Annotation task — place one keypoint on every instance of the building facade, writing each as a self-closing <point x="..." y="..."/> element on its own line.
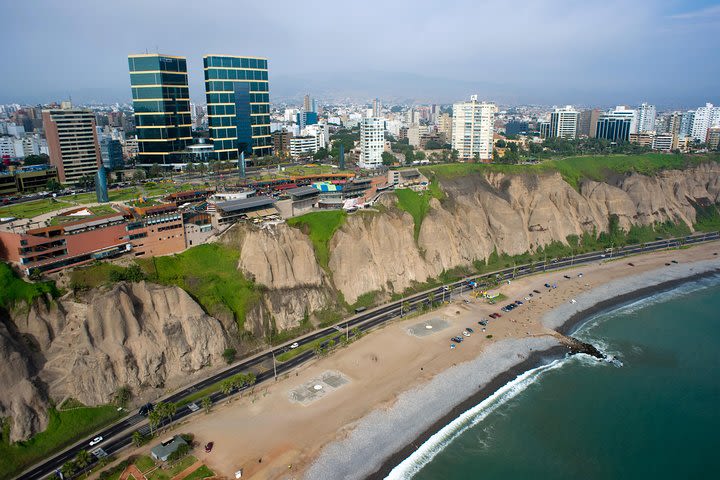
<point x="705" y="118"/>
<point x="281" y="142"/>
<point x="646" y="118"/>
<point x="564" y="122"/>
<point x="111" y="152"/>
<point x="587" y="122"/>
<point x="238" y="100"/>
<point x="372" y="142"/>
<point x="161" y="100"/>
<point x="472" y="129"/>
<point x="305" y="146"/>
<point x="72" y="142"/>
<point x="616" y="128"/>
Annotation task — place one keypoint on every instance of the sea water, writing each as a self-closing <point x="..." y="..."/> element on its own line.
<point x="652" y="412"/>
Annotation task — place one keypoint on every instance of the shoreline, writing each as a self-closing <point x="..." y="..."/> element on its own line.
<point x="536" y="359"/>
<point x="568" y="327"/>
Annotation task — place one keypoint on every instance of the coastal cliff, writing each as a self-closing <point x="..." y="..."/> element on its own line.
<point x="151" y="337"/>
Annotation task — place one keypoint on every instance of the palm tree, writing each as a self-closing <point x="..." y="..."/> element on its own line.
<point x="405" y="307"/>
<point x="431" y="298"/>
<point x="153" y="420"/>
<point x="226" y="386"/>
<point x="137" y="438"/>
<point x="83" y="459"/>
<point x="206" y="404"/>
<point x="68" y="469"/>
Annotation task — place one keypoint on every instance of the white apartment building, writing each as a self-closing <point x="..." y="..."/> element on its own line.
<point x="414" y="133"/>
<point x="646" y="118"/>
<point x="304" y="146"/>
<point x="319" y="130"/>
<point x="705" y="118"/>
<point x="472" y="129"/>
<point x="563" y="122"/>
<point x="372" y="142"/>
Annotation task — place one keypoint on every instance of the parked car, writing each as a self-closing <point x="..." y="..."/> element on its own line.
<point x="470" y="330"/>
<point x="536" y="291"/>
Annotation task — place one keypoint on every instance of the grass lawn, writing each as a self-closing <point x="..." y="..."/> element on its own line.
<point x="93" y="275"/>
<point x="209" y="273"/>
<point x="64" y="428"/>
<point x="202" y="472"/>
<point x="158" y="474"/>
<point x="14" y="289"/>
<point x="284" y="357"/>
<point x="181" y="465"/>
<point x="320" y="226"/>
<point x="144" y="463"/>
<point x="417" y="204"/>
<point x="574" y="169"/>
<point x="31" y="209"/>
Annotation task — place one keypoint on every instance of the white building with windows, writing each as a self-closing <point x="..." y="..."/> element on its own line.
<point x="320" y="130"/>
<point x="705" y="118"/>
<point x="646" y="118"/>
<point x="472" y="129"/>
<point x="305" y="146"/>
<point x="564" y="122"/>
<point x="372" y="142"/>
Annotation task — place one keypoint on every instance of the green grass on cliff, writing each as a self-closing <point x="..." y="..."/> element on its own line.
<point x="574" y="169"/>
<point x="64" y="428"/>
<point x="320" y="227"/>
<point x="417" y="204"/>
<point x="210" y="275"/>
<point x="14" y="289"/>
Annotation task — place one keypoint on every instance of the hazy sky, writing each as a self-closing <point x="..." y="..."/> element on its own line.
<point x="523" y="51"/>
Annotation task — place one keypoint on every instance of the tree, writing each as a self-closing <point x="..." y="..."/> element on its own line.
<point x="226" y="386"/>
<point x="41" y="159"/>
<point x="83" y="459"/>
<point x="321" y="154"/>
<point x="155" y="171"/>
<point x="433" y="145"/>
<point x="431" y="298"/>
<point x="138" y="175"/>
<point x="85" y="182"/>
<point x="405" y="307"/>
<point x="154" y="419"/>
<point x="454" y="154"/>
<point x="122" y="396"/>
<point x="229" y="355"/>
<point x="53" y="185"/>
<point x="501" y="143"/>
<point x="388" y="158"/>
<point x="206" y="403"/>
<point x="68" y="468"/>
<point x="420" y="156"/>
<point x="137" y="438"/>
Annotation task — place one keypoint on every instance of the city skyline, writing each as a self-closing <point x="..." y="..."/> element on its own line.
<point x="507" y="64"/>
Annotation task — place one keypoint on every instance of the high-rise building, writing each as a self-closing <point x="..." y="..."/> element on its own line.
<point x="686" y="123"/>
<point x="306" y="118"/>
<point x="307" y="103"/>
<point x="72" y="141"/>
<point x="472" y="129"/>
<point x="564" y="122"/>
<point x="705" y="118"/>
<point x="646" y="118"/>
<point x="372" y="142"/>
<point x="615" y="126"/>
<point x="281" y="142"/>
<point x="377" y="108"/>
<point x="161" y="100"/>
<point x="111" y="152"/>
<point x="238" y="101"/>
<point x="587" y="122"/>
<point x="445" y="126"/>
<point x="713" y="138"/>
<point x="544" y="128"/>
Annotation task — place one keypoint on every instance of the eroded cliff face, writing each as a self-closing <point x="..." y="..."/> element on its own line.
<point x="511" y="214"/>
<point x="282" y="260"/>
<point x="140" y="335"/>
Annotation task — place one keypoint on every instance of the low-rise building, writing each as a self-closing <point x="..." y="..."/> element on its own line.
<point x="305" y="146"/>
<point x="26" y="179"/>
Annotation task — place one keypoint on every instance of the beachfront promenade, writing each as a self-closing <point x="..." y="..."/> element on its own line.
<point x="119" y="436"/>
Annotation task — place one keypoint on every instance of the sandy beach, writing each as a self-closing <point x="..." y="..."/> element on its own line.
<point x="345" y="415"/>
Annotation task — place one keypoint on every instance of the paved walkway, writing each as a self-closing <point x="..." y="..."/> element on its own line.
<point x="187" y="471"/>
<point x="134" y="471"/>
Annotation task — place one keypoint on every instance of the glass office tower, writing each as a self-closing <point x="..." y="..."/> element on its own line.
<point x="238" y="101"/>
<point x="161" y="100"/>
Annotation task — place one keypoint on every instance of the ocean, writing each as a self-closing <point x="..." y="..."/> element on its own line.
<point x="652" y="411"/>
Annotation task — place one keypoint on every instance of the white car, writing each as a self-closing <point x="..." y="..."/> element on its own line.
<point x="95" y="441"/>
<point x="295" y="345"/>
<point x="466" y="333"/>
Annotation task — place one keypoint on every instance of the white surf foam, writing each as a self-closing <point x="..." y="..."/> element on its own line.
<point x="439" y="441"/>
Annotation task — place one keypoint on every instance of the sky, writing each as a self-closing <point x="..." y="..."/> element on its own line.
<point x="547" y="52"/>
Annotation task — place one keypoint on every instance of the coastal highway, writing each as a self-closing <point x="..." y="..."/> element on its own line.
<point x="119" y="435"/>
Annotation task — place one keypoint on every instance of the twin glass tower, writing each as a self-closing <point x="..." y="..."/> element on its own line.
<point x="238" y="101"/>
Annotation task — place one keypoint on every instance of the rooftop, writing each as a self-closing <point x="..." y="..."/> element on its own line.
<point x="245" y="203"/>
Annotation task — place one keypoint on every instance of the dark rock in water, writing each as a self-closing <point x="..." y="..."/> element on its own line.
<point x="576" y="346"/>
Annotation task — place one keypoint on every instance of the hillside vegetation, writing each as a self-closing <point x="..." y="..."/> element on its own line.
<point x="13" y="289"/>
<point x="574" y="169"/>
<point x="320" y="227"/>
<point x="210" y="275"/>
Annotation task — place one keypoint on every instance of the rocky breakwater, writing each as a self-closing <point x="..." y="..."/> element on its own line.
<point x="144" y="336"/>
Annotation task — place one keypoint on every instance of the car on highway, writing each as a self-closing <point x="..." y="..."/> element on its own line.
<point x="209" y="447"/>
<point x="146" y="409"/>
<point x="295" y="345"/>
<point x="96" y="440"/>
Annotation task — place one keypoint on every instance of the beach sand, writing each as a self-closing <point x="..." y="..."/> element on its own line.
<point x="401" y="383"/>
